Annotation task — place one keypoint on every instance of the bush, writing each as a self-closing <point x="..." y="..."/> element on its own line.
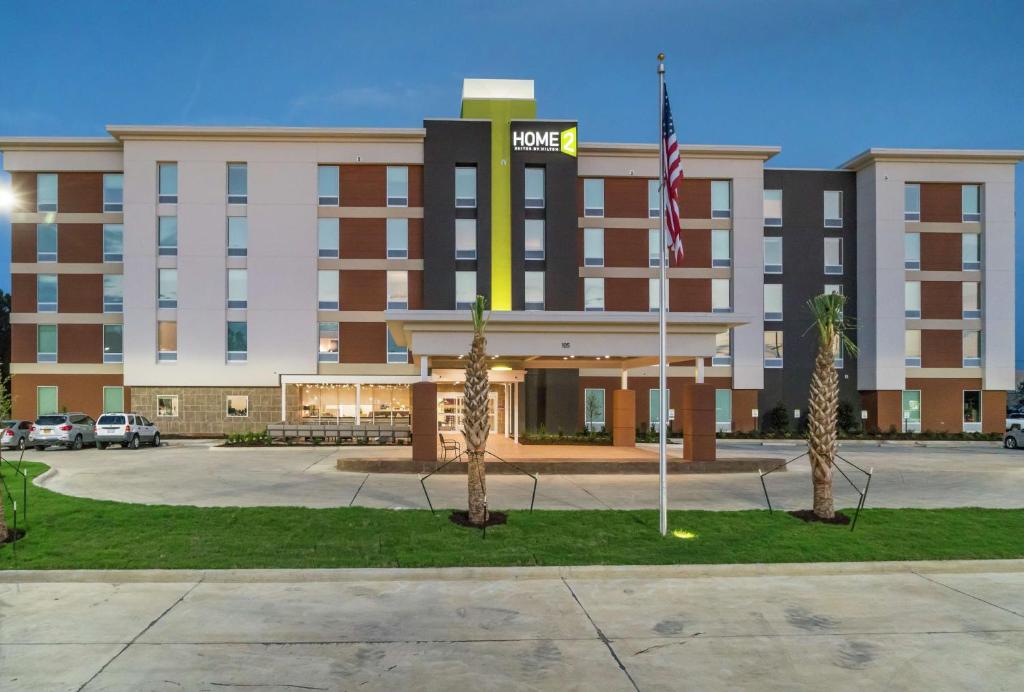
<point x="249" y="439"/>
<point x="776" y="421"/>
<point x="846" y="420"/>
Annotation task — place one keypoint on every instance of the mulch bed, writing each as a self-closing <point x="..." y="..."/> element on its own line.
<point x="809" y="516"/>
<point x="493" y="519"/>
<point x="16" y="535"/>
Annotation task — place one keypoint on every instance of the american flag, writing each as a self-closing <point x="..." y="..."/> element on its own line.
<point x="672" y="174"/>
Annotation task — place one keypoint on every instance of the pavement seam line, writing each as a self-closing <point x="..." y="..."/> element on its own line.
<point x="136" y="637"/>
<point x="584" y="489"/>
<point x="352" y="501"/>
<point x="970" y="595"/>
<point x="600" y="635"/>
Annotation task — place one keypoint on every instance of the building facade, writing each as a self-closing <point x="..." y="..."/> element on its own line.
<point x="220" y="279"/>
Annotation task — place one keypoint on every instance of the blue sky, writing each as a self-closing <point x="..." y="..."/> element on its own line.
<point x="822" y="79"/>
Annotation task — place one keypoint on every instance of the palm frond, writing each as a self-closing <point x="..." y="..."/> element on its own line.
<point x="829" y="321"/>
<point x="477" y="310"/>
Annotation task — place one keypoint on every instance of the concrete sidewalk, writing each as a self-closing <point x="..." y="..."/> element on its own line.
<point x="938" y="626"/>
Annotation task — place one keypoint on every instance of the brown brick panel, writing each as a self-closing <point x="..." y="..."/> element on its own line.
<point x="415" y="239"/>
<point x="363" y="289"/>
<point x="941" y="251"/>
<point x="696" y="248"/>
<point x="941" y="348"/>
<point x="24" y="187"/>
<point x="941" y="202"/>
<point x="364" y="238"/>
<point x="626" y="294"/>
<point x="623" y="247"/>
<point x="942" y="407"/>
<point x="993" y="411"/>
<point x="363" y="185"/>
<point x="80" y="242"/>
<point x="80" y="343"/>
<point x="743" y="402"/>
<point x="625" y="198"/>
<point x="695" y="198"/>
<point x="74" y="392"/>
<point x="80" y="193"/>
<point x="23" y="293"/>
<point x="23" y="343"/>
<point x="23" y="242"/>
<point x="941" y="300"/>
<point x="80" y="292"/>
<point x="363" y="342"/>
<point x="689" y="295"/>
<point x="415" y="186"/>
<point x="415" y="290"/>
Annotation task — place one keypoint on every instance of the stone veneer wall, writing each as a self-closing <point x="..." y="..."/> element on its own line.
<point x="203" y="410"/>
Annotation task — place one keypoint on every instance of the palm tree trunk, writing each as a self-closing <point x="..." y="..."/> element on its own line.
<point x="821" y="429"/>
<point x="476" y="428"/>
<point x="477" y="488"/>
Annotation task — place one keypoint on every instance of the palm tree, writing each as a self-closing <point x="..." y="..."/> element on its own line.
<point x="822" y="439"/>
<point x="475" y="424"/>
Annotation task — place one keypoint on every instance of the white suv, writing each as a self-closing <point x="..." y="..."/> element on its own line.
<point x="126" y="429"/>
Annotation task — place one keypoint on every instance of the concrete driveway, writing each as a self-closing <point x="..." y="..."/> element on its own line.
<point x="196" y="473"/>
<point x="909" y="626"/>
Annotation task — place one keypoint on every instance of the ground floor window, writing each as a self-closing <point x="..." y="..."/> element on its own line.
<point x="654" y="402"/>
<point x="380" y="403"/>
<point x="237" y="406"/>
<point x="167" y="406"/>
<point x="723" y="410"/>
<point x="450" y="407"/>
<point x="46" y="400"/>
<point x="972" y="410"/>
<point x="912" y="410"/>
<point x="593" y="409"/>
<point x="113" y="399"/>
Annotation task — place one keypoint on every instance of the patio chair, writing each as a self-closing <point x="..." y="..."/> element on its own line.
<point x="449" y="446"/>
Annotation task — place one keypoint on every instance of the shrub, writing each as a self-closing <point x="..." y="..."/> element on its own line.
<point x="777" y="419"/>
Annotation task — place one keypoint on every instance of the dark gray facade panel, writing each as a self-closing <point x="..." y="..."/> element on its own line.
<point x="551" y="401"/>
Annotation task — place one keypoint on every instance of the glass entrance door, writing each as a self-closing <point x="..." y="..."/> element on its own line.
<point x="449" y="411"/>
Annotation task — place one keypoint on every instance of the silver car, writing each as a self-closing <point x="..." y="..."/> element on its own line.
<point x="71" y="430"/>
<point x="15" y="434"/>
<point x="1014" y="439"/>
<point x="126" y="429"/>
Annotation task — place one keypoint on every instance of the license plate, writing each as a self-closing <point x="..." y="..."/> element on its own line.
<point x="110" y="430"/>
<point x="47" y="431"/>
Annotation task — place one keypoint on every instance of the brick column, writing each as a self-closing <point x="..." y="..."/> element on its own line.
<point x="424" y="421"/>
<point x="698" y="422"/>
<point x="885" y="410"/>
<point x="624" y="418"/>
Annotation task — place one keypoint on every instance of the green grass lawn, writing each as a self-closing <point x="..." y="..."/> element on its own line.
<point x="72" y="533"/>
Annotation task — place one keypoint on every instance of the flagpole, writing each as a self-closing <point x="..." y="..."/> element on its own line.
<point x="662" y="260"/>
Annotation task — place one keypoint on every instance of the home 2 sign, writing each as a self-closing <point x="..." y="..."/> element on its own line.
<point x="545" y="140"/>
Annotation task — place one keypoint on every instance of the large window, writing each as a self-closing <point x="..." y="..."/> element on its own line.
<point x="912" y="250"/>
<point x="328" y="186"/>
<point x="113" y="399"/>
<point x="593" y="409"/>
<point x="721" y="295"/>
<point x="534" y="290"/>
<point x="833" y="209"/>
<point x="46" y="242"/>
<point x="167" y="183"/>
<point x="773" y="349"/>
<point x="593" y="247"/>
<point x="46" y="192"/>
<point x="398" y="290"/>
<point x="721" y="199"/>
<point x="327" y="289"/>
<point x="653" y="247"/>
<point x="912" y="348"/>
<point x="237" y="342"/>
<point x="773" y="302"/>
<point x="113" y="192"/>
<point x="167" y="288"/>
<point x="912" y="410"/>
<point x="167" y="235"/>
<point x="912" y="202"/>
<point x="773" y="255"/>
<point x="238" y="289"/>
<point x="398" y="186"/>
<point x="654" y="294"/>
<point x="912" y="299"/>
<point x="833" y="255"/>
<point x="465" y="289"/>
<point x="972" y="348"/>
<point x="465" y="239"/>
<point x="773" y="207"/>
<point x="238" y="236"/>
<point x="113" y="242"/>
<point x="653" y="198"/>
<point x="46" y="343"/>
<point x="167" y="341"/>
<point x="113" y="343"/>
<point x="593" y="197"/>
<point x="721" y="250"/>
<point x="970" y="199"/>
<point x="113" y="293"/>
<point x="972" y="410"/>
<point x="971" y="300"/>
<point x="398" y="238"/>
<point x="330" y="341"/>
<point x="238" y="183"/>
<point x="327" y="238"/>
<point x="593" y="294"/>
<point x="534" y="187"/>
<point x="723" y="349"/>
<point x="46" y="400"/>
<point x="46" y="293"/>
<point x="396" y="353"/>
<point x="970" y="252"/>
<point x="534" y="239"/>
<point x="465" y="187"/>
<point x="723" y="410"/>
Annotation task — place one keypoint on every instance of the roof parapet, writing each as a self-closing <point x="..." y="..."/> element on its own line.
<point x="869" y="156"/>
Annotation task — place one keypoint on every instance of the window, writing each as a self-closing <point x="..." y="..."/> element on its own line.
<point x="972" y="348"/>
<point x="113" y="293"/>
<point x="167" y="235"/>
<point x="723" y="349"/>
<point x="655" y="407"/>
<point x="833" y="209"/>
<point x="972" y="410"/>
<point x="329" y="335"/>
<point x="912" y="299"/>
<point x="238" y="183"/>
<point x="912" y="250"/>
<point x="46" y="400"/>
<point x="971" y="252"/>
<point x="593" y="409"/>
<point x="398" y="238"/>
<point x="465" y="187"/>
<point x="327" y="186"/>
<point x="837" y="355"/>
<point x="328" y="238"/>
<point x="593" y="247"/>
<point x="113" y="399"/>
<point x="534" y="187"/>
<point x="534" y="290"/>
<point x="912" y="410"/>
<point x="167" y="341"/>
<point x="971" y="300"/>
<point x="167" y="183"/>
<point x="912" y="202"/>
<point x="46" y="192"/>
<point x="721" y="199"/>
<point x="465" y="239"/>
<point x="654" y="295"/>
<point x="773" y="301"/>
<point x="167" y="406"/>
<point x="912" y="348"/>
<point x="238" y="236"/>
<point x="398" y="186"/>
<point x="721" y="250"/>
<point x="113" y="343"/>
<point x="653" y="248"/>
<point x="723" y="410"/>
<point x="721" y="295"/>
<point x="238" y="342"/>
<point x="465" y="290"/>
<point x="113" y="192"/>
<point x="534" y="238"/>
<point x="396" y="353"/>
<point x="773" y="349"/>
<point x="970" y="202"/>
<point x="46" y="242"/>
<point x="833" y="255"/>
<point x="593" y="294"/>
<point x="773" y="255"/>
<point x="46" y="293"/>
<point x="327" y="289"/>
<point x="593" y="197"/>
<point x="46" y="343"/>
<point x="168" y="288"/>
<point x="113" y="242"/>
<point x="238" y="289"/>
<point x="398" y="290"/>
<point x="653" y="198"/>
<point x="237" y="406"/>
<point x="773" y="207"/>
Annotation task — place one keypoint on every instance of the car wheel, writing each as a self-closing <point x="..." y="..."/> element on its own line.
<point x="77" y="444"/>
<point x="1010" y="442"/>
<point x="156" y="440"/>
<point x="21" y="444"/>
<point x="134" y="442"/>
<point x="101" y="445"/>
